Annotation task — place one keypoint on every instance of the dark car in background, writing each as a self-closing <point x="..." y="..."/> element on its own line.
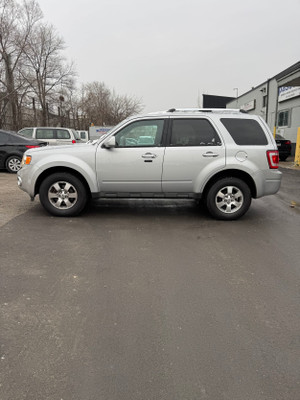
<point x="284" y="147"/>
<point x="12" y="148"/>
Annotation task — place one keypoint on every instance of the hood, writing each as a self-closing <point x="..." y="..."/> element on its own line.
<point x="69" y="148"/>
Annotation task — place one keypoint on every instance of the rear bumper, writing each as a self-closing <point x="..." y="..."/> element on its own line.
<point x="272" y="186"/>
<point x="268" y="183"/>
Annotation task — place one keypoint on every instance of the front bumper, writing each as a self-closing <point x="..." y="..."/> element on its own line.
<point x="26" y="180"/>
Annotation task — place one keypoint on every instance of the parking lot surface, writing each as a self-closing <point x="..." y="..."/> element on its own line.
<point x="150" y="300"/>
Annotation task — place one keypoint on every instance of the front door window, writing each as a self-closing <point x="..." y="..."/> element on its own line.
<point x="141" y="134"/>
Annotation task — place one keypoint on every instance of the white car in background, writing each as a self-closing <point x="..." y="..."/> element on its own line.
<point x="52" y="135"/>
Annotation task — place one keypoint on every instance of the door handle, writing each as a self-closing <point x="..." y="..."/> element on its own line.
<point x="210" y="154"/>
<point x="149" y="155"/>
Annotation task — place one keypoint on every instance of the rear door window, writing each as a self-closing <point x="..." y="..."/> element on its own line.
<point x="245" y="132"/>
<point x="193" y="132"/>
<point x="44" y="134"/>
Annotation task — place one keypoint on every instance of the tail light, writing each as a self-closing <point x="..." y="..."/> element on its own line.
<point x="273" y="158"/>
<point x="288" y="142"/>
<point x="31" y="147"/>
<point x="73" y="141"/>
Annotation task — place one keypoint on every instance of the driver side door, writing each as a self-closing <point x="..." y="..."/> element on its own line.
<point x="134" y="165"/>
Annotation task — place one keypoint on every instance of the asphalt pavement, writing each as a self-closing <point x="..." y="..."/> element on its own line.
<point x="150" y="300"/>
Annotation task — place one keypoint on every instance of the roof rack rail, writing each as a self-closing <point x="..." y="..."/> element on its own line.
<point x="188" y="110"/>
<point x="205" y="110"/>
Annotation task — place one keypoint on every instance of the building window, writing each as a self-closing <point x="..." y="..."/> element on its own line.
<point x="265" y="100"/>
<point x="283" y="118"/>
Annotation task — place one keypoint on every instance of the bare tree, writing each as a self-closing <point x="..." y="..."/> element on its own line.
<point x="122" y="107"/>
<point x="35" y="78"/>
<point x="16" y="24"/>
<point x="95" y="102"/>
<point x="103" y="107"/>
<point x="47" y="73"/>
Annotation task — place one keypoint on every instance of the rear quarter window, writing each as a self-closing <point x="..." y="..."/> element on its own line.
<point x="245" y="131"/>
<point x="26" y="132"/>
<point x="76" y="134"/>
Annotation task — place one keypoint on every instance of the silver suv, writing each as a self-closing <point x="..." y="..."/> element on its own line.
<point x="52" y="135"/>
<point x="224" y="157"/>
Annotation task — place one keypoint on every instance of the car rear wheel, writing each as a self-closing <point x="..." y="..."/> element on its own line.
<point x="63" y="195"/>
<point x="228" y="199"/>
<point x="13" y="164"/>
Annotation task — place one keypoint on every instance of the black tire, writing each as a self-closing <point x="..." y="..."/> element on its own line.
<point x="228" y="199"/>
<point x="63" y="195"/>
<point x="13" y="164"/>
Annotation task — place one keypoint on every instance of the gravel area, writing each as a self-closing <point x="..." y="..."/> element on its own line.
<point x="13" y="201"/>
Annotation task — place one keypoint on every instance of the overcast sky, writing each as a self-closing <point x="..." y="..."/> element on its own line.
<point x="169" y="52"/>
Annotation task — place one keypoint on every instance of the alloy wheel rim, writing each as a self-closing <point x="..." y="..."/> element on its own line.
<point x="229" y="199"/>
<point x="62" y="195"/>
<point x="14" y="164"/>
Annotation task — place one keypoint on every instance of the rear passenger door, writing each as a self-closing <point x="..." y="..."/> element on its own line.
<point x="194" y="152"/>
<point x="45" y="134"/>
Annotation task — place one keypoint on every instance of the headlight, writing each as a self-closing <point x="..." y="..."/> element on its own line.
<point x="26" y="160"/>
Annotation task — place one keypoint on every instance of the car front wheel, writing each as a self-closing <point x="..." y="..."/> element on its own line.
<point x="63" y="195"/>
<point x="228" y="199"/>
<point x="13" y="164"/>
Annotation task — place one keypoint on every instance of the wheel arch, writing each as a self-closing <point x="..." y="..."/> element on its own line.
<point x="234" y="173"/>
<point x="55" y="170"/>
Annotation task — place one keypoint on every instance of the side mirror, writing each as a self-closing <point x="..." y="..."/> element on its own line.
<point x="111" y="142"/>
